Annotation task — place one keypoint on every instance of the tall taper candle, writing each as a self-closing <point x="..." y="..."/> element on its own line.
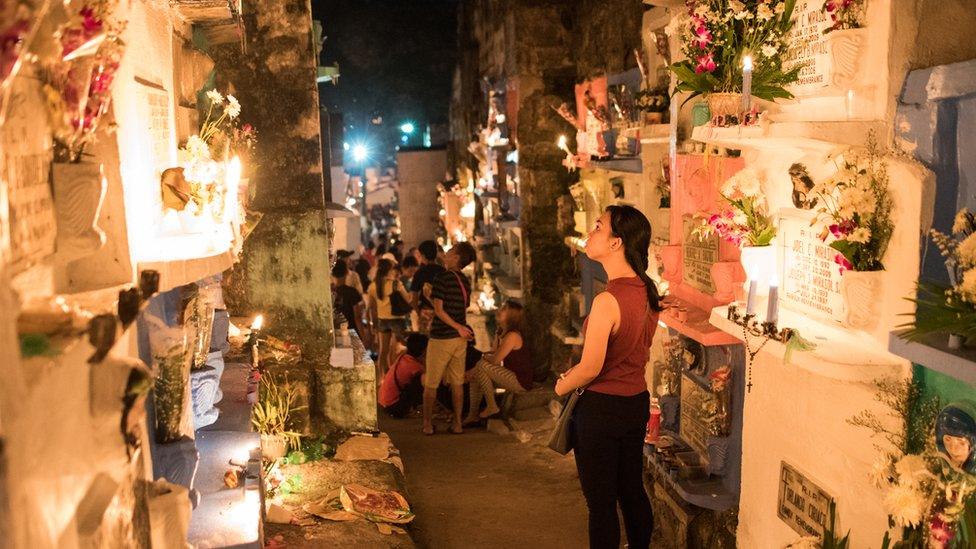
<point x="772" y="308"/>
<point x="751" y="300"/>
<point x="746" y="83"/>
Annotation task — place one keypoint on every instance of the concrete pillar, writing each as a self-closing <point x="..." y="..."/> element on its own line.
<point x="284" y="272"/>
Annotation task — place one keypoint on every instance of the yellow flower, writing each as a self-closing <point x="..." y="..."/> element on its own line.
<point x="233" y="108"/>
<point x="961" y="222"/>
<point x="861" y="235"/>
<point x="906" y="505"/>
<point x="967" y="287"/>
<point x="967" y="251"/>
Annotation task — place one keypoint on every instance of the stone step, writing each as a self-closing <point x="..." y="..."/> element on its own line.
<point x="539" y="412"/>
<point x="538" y="396"/>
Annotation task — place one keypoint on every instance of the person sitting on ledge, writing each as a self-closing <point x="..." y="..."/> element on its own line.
<point x="508" y="367"/>
<point x="401" y="389"/>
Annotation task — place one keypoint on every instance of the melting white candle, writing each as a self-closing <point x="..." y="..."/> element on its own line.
<point x="746" y="83"/>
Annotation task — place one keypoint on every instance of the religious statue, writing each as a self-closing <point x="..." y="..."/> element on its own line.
<point x="955" y="435"/>
<point x="802" y="185"/>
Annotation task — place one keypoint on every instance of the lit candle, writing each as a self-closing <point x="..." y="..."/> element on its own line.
<point x="563" y="146"/>
<point x="850" y="104"/>
<point x="746" y="83"/>
<point x="751" y="300"/>
<point x="772" y="308"/>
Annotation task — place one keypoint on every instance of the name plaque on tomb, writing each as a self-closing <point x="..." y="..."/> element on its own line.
<point x="693" y="425"/>
<point x="27" y="159"/>
<point x="803" y="505"/>
<point x="697" y="256"/>
<point x="810" y="279"/>
<point x="807" y="48"/>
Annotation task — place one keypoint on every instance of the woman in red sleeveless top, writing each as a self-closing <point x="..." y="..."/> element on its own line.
<point x="612" y="412"/>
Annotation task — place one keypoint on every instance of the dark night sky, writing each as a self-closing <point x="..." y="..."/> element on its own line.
<point x="396" y="58"/>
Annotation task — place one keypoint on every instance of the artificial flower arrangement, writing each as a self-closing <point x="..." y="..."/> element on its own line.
<point x="715" y="37"/>
<point x="855" y="210"/>
<point x="204" y="157"/>
<point x="652" y="100"/>
<point x="950" y="309"/>
<point x="927" y="485"/>
<point x="747" y="221"/>
<point x="716" y="410"/>
<point x="844" y="14"/>
<point x="78" y="83"/>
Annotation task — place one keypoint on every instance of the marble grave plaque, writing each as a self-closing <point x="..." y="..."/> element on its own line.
<point x="803" y="505"/>
<point x="810" y="279"/>
<point x="26" y="162"/>
<point x="808" y="48"/>
<point x="698" y="256"/>
<point x="693" y="426"/>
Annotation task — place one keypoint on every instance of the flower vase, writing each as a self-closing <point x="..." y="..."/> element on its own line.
<point x="79" y="189"/>
<point x="718" y="454"/>
<point x="651" y="118"/>
<point x="861" y="291"/>
<point x="724" y="104"/>
<point x="192" y="220"/>
<point x="273" y="446"/>
<point x="846" y="49"/>
<point x="759" y="263"/>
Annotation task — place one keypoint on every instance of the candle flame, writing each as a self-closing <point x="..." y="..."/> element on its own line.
<point x="258" y="323"/>
<point x="747" y="63"/>
<point x="562" y="141"/>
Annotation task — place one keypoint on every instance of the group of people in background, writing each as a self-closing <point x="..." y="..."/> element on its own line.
<point x="410" y="311"/>
<point x="415" y="316"/>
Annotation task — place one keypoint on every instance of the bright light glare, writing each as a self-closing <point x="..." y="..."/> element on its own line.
<point x="345" y="146"/>
<point x="407" y="127"/>
<point x="359" y="153"/>
<point x="747" y="63"/>
<point x="258" y="323"/>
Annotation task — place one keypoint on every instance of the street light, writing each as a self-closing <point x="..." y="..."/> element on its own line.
<point x="359" y="152"/>
<point x="407" y="127"/>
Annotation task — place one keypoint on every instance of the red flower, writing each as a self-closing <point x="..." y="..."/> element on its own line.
<point x="843" y="229"/>
<point x="705" y="64"/>
<point x="845" y="265"/>
<point x="703" y="37"/>
<point x="90" y="22"/>
<point x="830" y="6"/>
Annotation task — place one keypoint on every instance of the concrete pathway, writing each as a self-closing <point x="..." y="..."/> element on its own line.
<point x="482" y="490"/>
<point x="225" y="517"/>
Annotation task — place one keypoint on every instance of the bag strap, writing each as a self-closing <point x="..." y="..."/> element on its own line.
<point x="463" y="291"/>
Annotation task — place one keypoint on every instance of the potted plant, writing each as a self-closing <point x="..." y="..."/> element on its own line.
<point x="855" y="213"/>
<point x="846" y="40"/>
<point x="950" y="310"/>
<point x="747" y="224"/>
<point x="271" y="416"/>
<point x="717" y="35"/>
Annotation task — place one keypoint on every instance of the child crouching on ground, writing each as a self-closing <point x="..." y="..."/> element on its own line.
<point x="401" y="389"/>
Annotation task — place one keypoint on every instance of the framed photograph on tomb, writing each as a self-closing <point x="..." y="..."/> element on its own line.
<point x="809" y="277"/>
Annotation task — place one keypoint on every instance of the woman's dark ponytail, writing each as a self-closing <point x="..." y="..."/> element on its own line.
<point x="632" y="227"/>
